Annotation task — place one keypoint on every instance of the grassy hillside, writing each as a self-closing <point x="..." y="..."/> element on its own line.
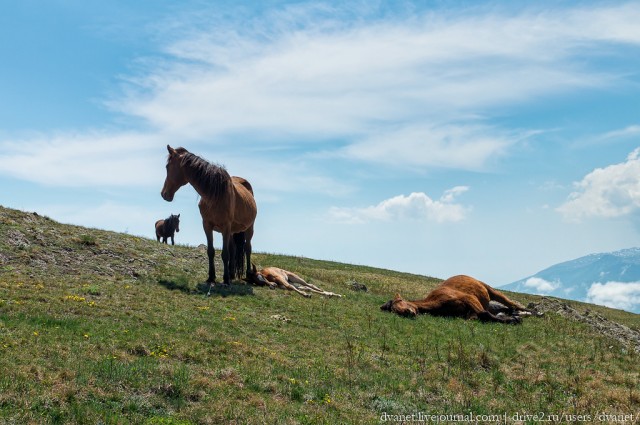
<point x="100" y="327"/>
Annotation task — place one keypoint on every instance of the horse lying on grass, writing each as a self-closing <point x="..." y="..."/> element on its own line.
<point x="274" y="277"/>
<point x="461" y="296"/>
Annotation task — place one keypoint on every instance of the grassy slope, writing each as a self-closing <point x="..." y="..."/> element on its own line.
<point x="103" y="327"/>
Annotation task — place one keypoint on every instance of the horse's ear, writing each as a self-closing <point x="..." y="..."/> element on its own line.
<point x="397" y="297"/>
<point x="171" y="150"/>
<point x="253" y="267"/>
<point x="178" y="215"/>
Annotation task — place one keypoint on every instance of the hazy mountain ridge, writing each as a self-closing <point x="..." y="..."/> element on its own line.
<point x="610" y="278"/>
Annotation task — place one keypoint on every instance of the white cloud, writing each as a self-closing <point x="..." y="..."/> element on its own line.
<point x="91" y="159"/>
<point x="416" y="206"/>
<point x="629" y="131"/>
<point x="462" y="146"/>
<point x="416" y="89"/>
<point x="402" y="87"/>
<point x="541" y="286"/>
<point x="612" y="191"/>
<point x="622" y="295"/>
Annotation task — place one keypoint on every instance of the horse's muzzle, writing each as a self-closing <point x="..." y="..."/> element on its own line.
<point x="166" y="196"/>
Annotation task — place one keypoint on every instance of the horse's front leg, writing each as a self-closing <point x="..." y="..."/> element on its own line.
<point x="226" y="255"/>
<point x="211" y="252"/>
<point x="172" y="241"/>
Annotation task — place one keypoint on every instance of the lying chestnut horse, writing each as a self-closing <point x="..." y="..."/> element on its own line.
<point x="460" y="296"/>
<point x="273" y="277"/>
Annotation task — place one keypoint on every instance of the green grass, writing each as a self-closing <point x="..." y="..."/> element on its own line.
<point x="100" y="327"/>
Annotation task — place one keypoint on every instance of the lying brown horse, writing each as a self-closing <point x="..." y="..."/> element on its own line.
<point x="273" y="277"/>
<point x="460" y="296"/>
<point x="166" y="228"/>
<point x="226" y="205"/>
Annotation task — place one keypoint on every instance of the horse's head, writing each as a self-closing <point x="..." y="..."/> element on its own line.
<point x="176" y="177"/>
<point x="176" y="222"/>
<point x="400" y="306"/>
<point x="256" y="277"/>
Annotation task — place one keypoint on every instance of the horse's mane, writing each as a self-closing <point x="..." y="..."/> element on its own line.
<point x="212" y="179"/>
<point x="171" y="220"/>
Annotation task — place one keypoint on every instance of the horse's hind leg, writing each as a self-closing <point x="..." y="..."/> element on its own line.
<point x="498" y="296"/>
<point x="248" y="235"/>
<point x="308" y="286"/>
<point x="284" y="283"/>
<point x="478" y="312"/>
<point x="294" y="278"/>
<point x="227" y="252"/>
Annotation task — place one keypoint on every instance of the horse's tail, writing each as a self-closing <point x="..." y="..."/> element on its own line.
<point x="159" y="225"/>
<point x="237" y="261"/>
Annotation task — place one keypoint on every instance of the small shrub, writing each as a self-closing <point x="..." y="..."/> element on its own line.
<point x="87" y="240"/>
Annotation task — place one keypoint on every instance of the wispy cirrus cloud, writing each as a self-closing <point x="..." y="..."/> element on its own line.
<point x="468" y="147"/>
<point x="389" y="86"/>
<point x="629" y="131"/>
<point x="416" y="206"/>
<point x="417" y="88"/>
<point x="93" y="158"/>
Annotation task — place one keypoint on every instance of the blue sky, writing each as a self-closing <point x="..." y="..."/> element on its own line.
<point x="485" y="138"/>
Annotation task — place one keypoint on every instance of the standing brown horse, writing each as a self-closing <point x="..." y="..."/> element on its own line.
<point x="166" y="228"/>
<point x="227" y="206"/>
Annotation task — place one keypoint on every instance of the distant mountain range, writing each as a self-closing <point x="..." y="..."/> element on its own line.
<point x="611" y="279"/>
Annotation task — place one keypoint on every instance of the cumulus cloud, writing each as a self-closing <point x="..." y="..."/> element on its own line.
<point x="622" y="295"/>
<point x="416" y="206"/>
<point x="612" y="191"/>
<point x="541" y="286"/>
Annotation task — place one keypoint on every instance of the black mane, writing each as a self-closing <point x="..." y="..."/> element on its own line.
<point x="211" y="179"/>
<point x="170" y="223"/>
